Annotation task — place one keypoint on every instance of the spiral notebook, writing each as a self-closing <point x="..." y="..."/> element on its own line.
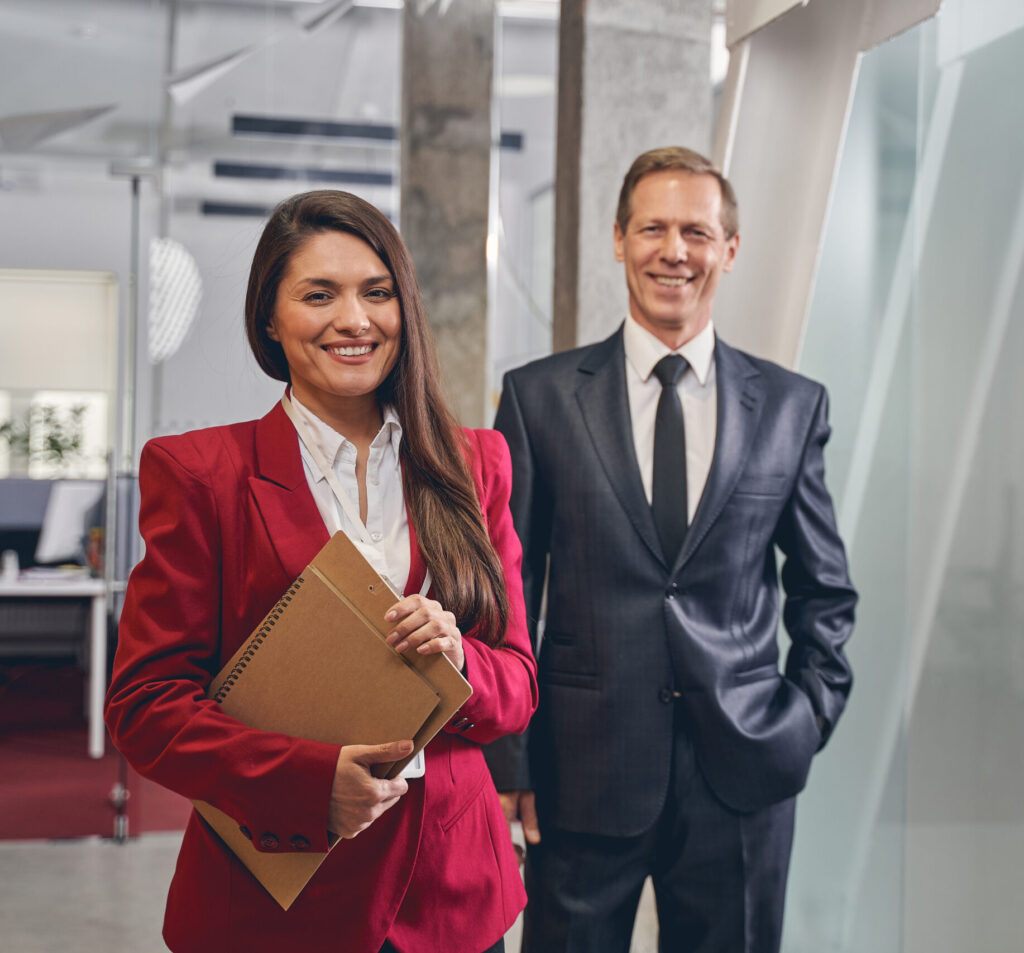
<point x="318" y="667"/>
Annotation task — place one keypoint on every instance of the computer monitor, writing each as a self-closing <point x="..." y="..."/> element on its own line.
<point x="22" y="505"/>
<point x="74" y="506"/>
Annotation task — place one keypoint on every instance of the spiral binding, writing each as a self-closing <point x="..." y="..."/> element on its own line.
<point x="257" y="640"/>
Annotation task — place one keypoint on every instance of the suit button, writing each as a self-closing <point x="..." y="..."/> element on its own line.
<point x="268" y="842"/>
<point x="665" y="696"/>
<point x="299" y="842"/>
<point x="673" y="590"/>
<point x="245" y="832"/>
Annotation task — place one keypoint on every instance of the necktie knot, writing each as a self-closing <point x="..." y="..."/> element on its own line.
<point x="669" y="369"/>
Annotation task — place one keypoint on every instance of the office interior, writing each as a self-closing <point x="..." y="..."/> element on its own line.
<point x="877" y="149"/>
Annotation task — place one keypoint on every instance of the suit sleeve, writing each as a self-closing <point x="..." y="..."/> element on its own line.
<point x="504" y="680"/>
<point x="169" y="646"/>
<point x="820" y="599"/>
<point x="530" y="506"/>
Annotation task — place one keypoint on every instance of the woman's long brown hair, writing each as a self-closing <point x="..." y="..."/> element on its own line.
<point x="439" y="489"/>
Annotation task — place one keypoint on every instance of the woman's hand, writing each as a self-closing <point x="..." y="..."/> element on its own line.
<point x="357" y="797"/>
<point x="422" y="624"/>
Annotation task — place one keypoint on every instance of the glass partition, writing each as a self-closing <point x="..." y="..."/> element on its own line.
<point x="525" y="84"/>
<point x="916" y="325"/>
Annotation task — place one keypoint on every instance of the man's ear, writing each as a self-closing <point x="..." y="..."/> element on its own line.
<point x="619" y="240"/>
<point x="731" y="247"/>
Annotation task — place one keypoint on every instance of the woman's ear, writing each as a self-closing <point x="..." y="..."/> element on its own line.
<point x="272" y="331"/>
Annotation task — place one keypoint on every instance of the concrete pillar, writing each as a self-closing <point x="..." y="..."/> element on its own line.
<point x="633" y="75"/>
<point x="448" y="65"/>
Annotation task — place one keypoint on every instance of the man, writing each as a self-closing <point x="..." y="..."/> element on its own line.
<point x="651" y="492"/>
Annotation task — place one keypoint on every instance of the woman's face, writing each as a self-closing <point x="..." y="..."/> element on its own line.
<point x="338" y="319"/>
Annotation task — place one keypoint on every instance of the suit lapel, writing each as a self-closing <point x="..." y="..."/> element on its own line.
<point x="290" y="515"/>
<point x="604" y="403"/>
<point x="740" y="402"/>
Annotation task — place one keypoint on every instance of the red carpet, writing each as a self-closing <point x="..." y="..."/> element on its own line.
<point x="49" y="786"/>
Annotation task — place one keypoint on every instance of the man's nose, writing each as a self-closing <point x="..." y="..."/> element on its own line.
<point x="674" y="246"/>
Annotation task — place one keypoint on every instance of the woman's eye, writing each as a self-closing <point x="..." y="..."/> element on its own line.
<point x="317" y="297"/>
<point x="381" y="294"/>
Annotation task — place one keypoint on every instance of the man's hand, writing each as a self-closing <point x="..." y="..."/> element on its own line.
<point x="521" y="806"/>
<point x="357" y="797"/>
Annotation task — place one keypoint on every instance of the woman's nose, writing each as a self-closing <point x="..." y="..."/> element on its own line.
<point x="349" y="316"/>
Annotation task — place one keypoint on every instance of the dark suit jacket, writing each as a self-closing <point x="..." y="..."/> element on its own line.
<point x="629" y="637"/>
<point x="229" y="522"/>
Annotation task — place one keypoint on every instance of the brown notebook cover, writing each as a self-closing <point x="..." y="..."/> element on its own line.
<point x="318" y="667"/>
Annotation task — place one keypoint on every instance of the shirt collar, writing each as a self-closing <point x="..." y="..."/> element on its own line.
<point x="644" y="350"/>
<point x="332" y="443"/>
<point x="391" y="429"/>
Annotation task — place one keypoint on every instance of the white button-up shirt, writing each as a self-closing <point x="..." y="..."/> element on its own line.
<point x="387" y="521"/>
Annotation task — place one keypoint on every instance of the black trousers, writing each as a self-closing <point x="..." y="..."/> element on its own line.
<point x="719" y="878"/>
<point x="498" y="947"/>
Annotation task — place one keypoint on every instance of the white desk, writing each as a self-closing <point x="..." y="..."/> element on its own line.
<point x="83" y="588"/>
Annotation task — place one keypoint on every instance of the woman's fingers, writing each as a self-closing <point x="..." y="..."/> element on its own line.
<point x="426" y="626"/>
<point x="357" y="797"/>
<point x="417" y="620"/>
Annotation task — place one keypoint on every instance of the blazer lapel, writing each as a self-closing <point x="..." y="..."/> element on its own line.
<point x="740" y="402"/>
<point x="604" y="403"/>
<point x="290" y="515"/>
<point x="417" y="566"/>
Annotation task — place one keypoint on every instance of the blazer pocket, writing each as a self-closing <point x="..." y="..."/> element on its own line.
<point x="759" y="674"/>
<point x="566" y="659"/>
<point x="761" y="484"/>
<point x="570" y="679"/>
<point x="557" y="637"/>
<point x="475" y="788"/>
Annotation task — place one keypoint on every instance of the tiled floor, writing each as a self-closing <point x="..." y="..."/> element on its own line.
<point x="95" y="896"/>
<point x="87" y="896"/>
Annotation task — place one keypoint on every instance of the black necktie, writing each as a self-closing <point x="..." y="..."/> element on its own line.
<point x="668" y="495"/>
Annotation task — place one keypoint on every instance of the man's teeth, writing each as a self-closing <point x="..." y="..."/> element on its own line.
<point x="351" y="351"/>
<point x="671" y="282"/>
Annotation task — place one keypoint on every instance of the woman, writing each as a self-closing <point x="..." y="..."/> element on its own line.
<point x="231" y="515"/>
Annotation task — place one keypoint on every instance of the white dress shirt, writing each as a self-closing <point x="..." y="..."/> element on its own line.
<point x="697" y="391"/>
<point x="387" y="522"/>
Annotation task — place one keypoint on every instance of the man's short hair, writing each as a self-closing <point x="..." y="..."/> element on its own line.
<point x="684" y="160"/>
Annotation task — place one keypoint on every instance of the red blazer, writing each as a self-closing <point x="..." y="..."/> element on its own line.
<point x="229" y="522"/>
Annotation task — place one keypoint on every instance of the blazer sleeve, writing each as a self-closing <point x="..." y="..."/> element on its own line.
<point x="169" y="646"/>
<point x="530" y="506"/>
<point x="504" y="680"/>
<point x="820" y="599"/>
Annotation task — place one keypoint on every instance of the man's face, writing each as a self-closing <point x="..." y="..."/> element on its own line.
<point x="675" y="250"/>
